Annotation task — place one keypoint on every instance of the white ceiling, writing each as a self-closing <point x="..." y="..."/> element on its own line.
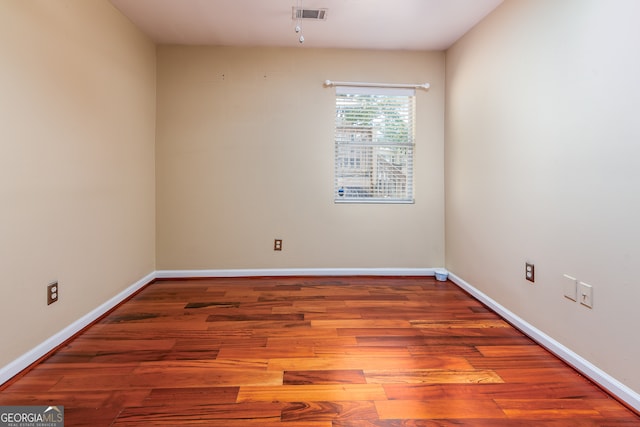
<point x="358" y="24"/>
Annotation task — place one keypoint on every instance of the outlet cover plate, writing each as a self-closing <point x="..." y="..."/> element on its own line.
<point x="530" y="272"/>
<point x="53" y="290"/>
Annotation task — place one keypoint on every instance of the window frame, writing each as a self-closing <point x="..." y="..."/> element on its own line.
<point x="356" y="143"/>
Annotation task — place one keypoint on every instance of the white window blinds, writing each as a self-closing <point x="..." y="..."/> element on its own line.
<point x="374" y="144"/>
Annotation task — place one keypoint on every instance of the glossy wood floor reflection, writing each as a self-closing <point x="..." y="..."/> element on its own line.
<point x="310" y="352"/>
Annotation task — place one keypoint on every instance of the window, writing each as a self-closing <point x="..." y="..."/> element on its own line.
<point x="374" y="144"/>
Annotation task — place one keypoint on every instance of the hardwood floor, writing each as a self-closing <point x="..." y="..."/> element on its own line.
<point x="310" y="352"/>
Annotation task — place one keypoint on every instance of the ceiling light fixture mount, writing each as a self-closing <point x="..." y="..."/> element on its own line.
<point x="298" y="13"/>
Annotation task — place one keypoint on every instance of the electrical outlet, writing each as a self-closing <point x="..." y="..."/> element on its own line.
<point x="530" y="272"/>
<point x="53" y="290"/>
<point x="277" y="245"/>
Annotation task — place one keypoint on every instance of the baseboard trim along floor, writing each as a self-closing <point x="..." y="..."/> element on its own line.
<point x="606" y="381"/>
<point x="183" y="274"/>
<point x="595" y="374"/>
<point x="27" y="359"/>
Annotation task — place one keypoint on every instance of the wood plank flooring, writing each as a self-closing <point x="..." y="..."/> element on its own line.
<point x="310" y="352"/>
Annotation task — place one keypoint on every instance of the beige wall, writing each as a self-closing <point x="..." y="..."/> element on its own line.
<point x="245" y="155"/>
<point x="542" y="131"/>
<point x="77" y="86"/>
<point x="542" y="149"/>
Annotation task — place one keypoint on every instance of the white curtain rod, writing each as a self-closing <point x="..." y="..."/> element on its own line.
<point x="425" y="86"/>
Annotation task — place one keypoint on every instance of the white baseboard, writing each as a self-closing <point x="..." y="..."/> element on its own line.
<point x="18" y="365"/>
<point x="273" y="272"/>
<point x="582" y="365"/>
<point x="591" y="371"/>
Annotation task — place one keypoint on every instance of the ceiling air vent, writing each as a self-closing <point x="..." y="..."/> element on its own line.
<point x="315" y="14"/>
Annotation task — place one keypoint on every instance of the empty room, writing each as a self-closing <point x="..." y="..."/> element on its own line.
<point x="319" y="213"/>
